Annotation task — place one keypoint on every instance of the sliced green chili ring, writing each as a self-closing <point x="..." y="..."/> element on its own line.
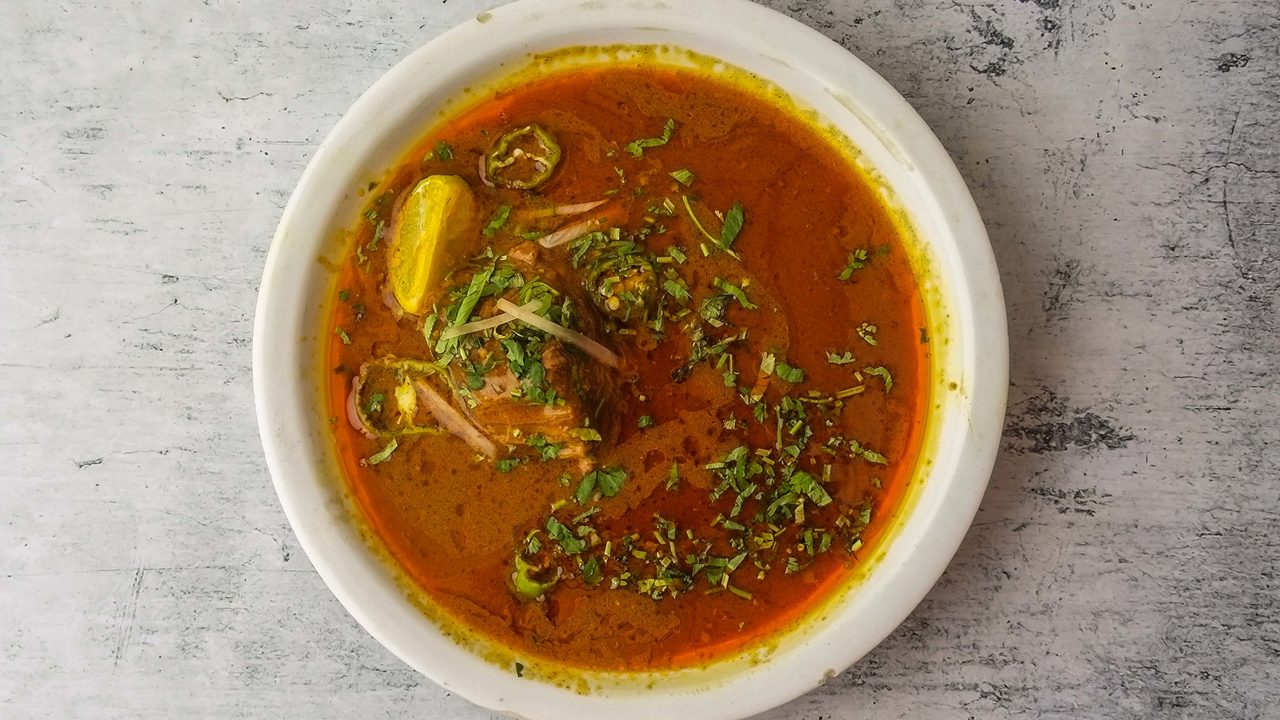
<point x="525" y="585"/>
<point x="529" y="150"/>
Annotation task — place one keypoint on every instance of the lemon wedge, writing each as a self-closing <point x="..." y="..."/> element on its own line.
<point x="436" y="214"/>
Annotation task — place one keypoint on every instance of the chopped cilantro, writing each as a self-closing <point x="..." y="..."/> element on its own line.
<point x="645" y="421"/>
<point x="732" y="225"/>
<point x="683" y="176"/>
<point x="857" y="260"/>
<point x="867" y="332"/>
<point x="866" y="453"/>
<point x="472" y="297"/>
<point x="767" y="363"/>
<point x="375" y="402"/>
<point x="637" y="147"/>
<point x="676" y="290"/>
<point x="591" y="572"/>
<point x="882" y="373"/>
<point x="506" y="465"/>
<point x="806" y="484"/>
<point x="382" y="455"/>
<point x="789" y="373"/>
<point x="736" y="292"/>
<point x="586" y="434"/>
<point x="561" y="533"/>
<point x="874" y="457"/>
<point x="342" y="335"/>
<point x="844" y="359"/>
<point x="443" y="150"/>
<point x="607" y="480"/>
<point x="546" y="450"/>
<point x="673" y="477"/>
<point x="498" y="220"/>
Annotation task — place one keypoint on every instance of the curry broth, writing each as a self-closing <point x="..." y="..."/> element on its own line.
<point x="452" y="521"/>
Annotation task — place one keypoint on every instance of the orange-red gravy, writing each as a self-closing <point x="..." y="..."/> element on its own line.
<point x="451" y="522"/>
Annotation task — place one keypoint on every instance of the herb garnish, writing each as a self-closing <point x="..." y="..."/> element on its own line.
<point x="857" y="260"/>
<point x="732" y="225"/>
<point x="561" y="533"/>
<point x="883" y="374"/>
<point x="342" y="335"/>
<point x="844" y="359"/>
<point x="607" y="480"/>
<point x="498" y="220"/>
<point x="443" y="151"/>
<point x="867" y="332"/>
<point x="683" y="176"/>
<point x="736" y="292"/>
<point x="637" y="147"/>
<point x="547" y="450"/>
<point x="789" y="373"/>
<point x="382" y="455"/>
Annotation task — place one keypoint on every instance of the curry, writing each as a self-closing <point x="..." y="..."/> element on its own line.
<point x="628" y="366"/>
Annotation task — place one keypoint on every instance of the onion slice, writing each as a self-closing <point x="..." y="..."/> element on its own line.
<point x="498" y="320"/>
<point x="484" y="178"/>
<point x="353" y="412"/>
<point x="562" y="210"/>
<point x="589" y="346"/>
<point x="569" y="232"/>
<point x="453" y="421"/>
<point x="389" y="299"/>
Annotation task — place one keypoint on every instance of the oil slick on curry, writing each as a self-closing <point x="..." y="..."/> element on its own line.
<point x="629" y="366"/>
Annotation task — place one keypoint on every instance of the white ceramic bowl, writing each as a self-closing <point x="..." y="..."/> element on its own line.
<point x="969" y="348"/>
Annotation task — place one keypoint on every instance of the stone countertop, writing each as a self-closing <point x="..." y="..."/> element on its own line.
<point x="1123" y="565"/>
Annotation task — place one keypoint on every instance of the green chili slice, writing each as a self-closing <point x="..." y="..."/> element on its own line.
<point x="523" y="158"/>
<point x="525" y="585"/>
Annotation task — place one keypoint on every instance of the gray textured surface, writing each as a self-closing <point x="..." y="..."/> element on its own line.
<point x="1124" y="563"/>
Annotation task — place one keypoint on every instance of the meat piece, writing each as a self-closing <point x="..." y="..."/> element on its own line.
<point x="568" y="407"/>
<point x="518" y="382"/>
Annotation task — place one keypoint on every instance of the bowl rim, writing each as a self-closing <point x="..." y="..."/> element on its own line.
<point x="977" y="299"/>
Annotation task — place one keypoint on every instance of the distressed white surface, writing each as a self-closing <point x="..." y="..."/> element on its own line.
<point x="1123" y="565"/>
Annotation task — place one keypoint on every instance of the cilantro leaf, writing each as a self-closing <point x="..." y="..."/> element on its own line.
<point x="790" y="373"/>
<point x="591" y="572"/>
<point x="738" y="293"/>
<point x="809" y="486"/>
<point x="611" y="480"/>
<point x="867" y="332"/>
<point x="676" y="290"/>
<point x="637" y="147"/>
<point x="498" y="220"/>
<point x="857" y="260"/>
<point x="382" y="455"/>
<point x="561" y="533"/>
<point x="883" y="374"/>
<point x="732" y="225"/>
<point x="547" y="450"/>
